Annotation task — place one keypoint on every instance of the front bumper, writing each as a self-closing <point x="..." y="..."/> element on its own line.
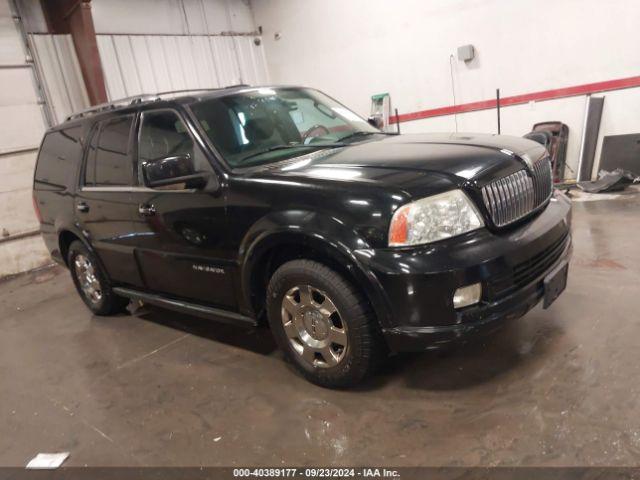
<point x="418" y="283"/>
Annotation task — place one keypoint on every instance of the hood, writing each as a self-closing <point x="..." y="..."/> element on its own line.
<point x="403" y="160"/>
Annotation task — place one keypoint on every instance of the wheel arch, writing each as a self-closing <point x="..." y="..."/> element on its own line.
<point x="273" y="249"/>
<point x="66" y="236"/>
<point x="65" y="239"/>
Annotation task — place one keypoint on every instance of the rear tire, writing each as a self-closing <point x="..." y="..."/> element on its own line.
<point x="324" y="326"/>
<point x="91" y="282"/>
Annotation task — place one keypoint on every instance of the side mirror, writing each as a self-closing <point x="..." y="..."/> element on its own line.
<point x="376" y="121"/>
<point x="173" y="170"/>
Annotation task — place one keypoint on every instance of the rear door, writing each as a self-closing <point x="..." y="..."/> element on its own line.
<point x="104" y="203"/>
<point x="180" y="232"/>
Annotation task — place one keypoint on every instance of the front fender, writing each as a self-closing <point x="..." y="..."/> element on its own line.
<point x="322" y="233"/>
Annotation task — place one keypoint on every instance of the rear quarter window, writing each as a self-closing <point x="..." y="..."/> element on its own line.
<point x="58" y="158"/>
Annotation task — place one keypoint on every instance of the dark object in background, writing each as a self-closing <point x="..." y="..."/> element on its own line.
<point x="621" y="151"/>
<point x="557" y="145"/>
<point x="543" y="138"/>
<point x="615" y="181"/>
<point x="593" y="114"/>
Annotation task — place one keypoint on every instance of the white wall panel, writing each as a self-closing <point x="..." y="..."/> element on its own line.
<point x="22" y="255"/>
<point x="22" y="88"/>
<point x="252" y="61"/>
<point x="22" y="127"/>
<point x="11" y="49"/>
<point x="172" y="17"/>
<point x="60" y="71"/>
<point x="226" y="60"/>
<point x="16" y="212"/>
<point x="135" y="64"/>
<point x="17" y="171"/>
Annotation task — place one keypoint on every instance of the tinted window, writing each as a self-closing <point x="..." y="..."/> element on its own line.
<point x="163" y="134"/>
<point x="112" y="161"/>
<point x="58" y="157"/>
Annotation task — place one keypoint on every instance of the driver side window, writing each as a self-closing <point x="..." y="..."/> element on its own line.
<point x="164" y="136"/>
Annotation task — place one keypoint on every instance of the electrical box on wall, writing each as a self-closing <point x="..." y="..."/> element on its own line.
<point x="466" y="53"/>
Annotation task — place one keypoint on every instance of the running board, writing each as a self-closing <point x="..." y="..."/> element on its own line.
<point x="187" y="307"/>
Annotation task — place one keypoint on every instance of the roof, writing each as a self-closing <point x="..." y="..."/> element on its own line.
<point x="186" y="95"/>
<point x="154" y="97"/>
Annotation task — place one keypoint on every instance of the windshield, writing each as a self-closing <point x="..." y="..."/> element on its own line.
<point x="270" y="124"/>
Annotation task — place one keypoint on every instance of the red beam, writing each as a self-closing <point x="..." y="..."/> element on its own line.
<point x="541" y="96"/>
<point x="74" y="17"/>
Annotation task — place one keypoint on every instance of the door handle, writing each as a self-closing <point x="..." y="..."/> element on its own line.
<point x="146" y="209"/>
<point x="82" y="207"/>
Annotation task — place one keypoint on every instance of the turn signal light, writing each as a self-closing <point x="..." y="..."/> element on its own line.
<point x="399" y="229"/>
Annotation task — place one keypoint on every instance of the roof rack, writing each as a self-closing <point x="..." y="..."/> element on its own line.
<point x="142" y="98"/>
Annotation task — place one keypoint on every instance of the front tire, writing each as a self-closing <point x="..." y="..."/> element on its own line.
<point x="91" y="282"/>
<point x="324" y="326"/>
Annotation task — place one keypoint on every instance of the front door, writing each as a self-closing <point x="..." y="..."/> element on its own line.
<point x="180" y="232"/>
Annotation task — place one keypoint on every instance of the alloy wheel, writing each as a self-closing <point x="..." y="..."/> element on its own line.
<point x="86" y="275"/>
<point x="316" y="330"/>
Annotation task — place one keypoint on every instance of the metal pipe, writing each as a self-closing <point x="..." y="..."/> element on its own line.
<point x="16" y="65"/>
<point x="18" y="151"/>
<point x="18" y="236"/>
<point x="498" y="107"/>
<point x="583" y="141"/>
<point x="255" y="33"/>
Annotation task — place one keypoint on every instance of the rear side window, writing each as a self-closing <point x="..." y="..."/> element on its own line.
<point x="59" y="157"/>
<point x="108" y="159"/>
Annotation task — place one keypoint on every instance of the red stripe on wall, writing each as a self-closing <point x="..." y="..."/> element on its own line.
<point x="585" y="89"/>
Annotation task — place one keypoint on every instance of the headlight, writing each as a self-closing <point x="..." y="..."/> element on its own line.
<point x="434" y="218"/>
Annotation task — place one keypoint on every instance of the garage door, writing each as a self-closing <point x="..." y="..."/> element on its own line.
<point x="22" y="125"/>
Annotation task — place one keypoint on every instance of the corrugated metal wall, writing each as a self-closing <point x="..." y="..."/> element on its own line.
<point x="64" y="87"/>
<point x="135" y="64"/>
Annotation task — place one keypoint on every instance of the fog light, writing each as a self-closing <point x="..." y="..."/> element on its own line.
<point x="465" y="296"/>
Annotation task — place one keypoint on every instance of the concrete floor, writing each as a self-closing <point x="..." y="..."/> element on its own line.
<point x="558" y="387"/>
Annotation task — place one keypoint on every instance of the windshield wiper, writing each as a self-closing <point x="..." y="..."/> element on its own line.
<point x="287" y="147"/>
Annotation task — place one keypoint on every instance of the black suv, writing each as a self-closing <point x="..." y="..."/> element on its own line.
<point x="243" y="203"/>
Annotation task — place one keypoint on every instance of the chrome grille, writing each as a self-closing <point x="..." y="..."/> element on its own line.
<point x="513" y="197"/>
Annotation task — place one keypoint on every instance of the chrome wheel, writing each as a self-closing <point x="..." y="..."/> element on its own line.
<point x="86" y="275"/>
<point x="314" y="326"/>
